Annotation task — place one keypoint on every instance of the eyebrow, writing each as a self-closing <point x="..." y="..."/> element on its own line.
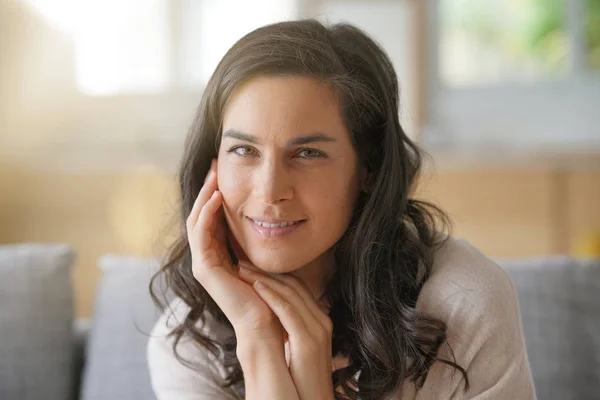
<point x="300" y="140"/>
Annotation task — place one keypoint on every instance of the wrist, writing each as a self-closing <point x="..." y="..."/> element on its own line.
<point x="266" y="374"/>
<point x="258" y="339"/>
<point x="252" y="347"/>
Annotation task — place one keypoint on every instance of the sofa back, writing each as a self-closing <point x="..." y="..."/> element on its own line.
<point x="124" y="314"/>
<point x="36" y="303"/>
<point x="559" y="300"/>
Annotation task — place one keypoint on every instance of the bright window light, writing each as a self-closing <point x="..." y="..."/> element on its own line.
<point x="120" y="45"/>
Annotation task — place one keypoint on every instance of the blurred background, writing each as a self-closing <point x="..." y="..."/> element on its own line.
<point x="96" y="98"/>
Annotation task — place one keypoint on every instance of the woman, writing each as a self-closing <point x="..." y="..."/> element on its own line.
<point x="298" y="176"/>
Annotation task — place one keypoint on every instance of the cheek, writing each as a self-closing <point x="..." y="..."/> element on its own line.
<point x="233" y="184"/>
<point x="333" y="199"/>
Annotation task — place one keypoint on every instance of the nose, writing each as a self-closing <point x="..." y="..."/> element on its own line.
<point x="272" y="182"/>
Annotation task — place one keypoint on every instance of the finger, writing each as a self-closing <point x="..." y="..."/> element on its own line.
<point x="283" y="282"/>
<point x="210" y="270"/>
<point x="218" y="283"/>
<point x="309" y="299"/>
<point x="202" y="229"/>
<point x="207" y="189"/>
<point x="203" y="196"/>
<point x="221" y="226"/>
<point x="287" y="294"/>
<point x="287" y="313"/>
<point x="213" y="167"/>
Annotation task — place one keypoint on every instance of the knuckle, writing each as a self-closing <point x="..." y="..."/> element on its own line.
<point x="200" y="263"/>
<point x="197" y="227"/>
<point x="287" y="308"/>
<point x="197" y="273"/>
<point x="190" y="220"/>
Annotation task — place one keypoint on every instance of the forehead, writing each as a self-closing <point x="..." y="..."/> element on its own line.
<point x="284" y="106"/>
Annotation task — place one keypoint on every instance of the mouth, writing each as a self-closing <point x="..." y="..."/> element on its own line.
<point x="275" y="228"/>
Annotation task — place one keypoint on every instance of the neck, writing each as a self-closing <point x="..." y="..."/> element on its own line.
<point x="317" y="273"/>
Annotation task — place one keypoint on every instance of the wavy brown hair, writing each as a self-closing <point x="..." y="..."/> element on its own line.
<point x="387" y="251"/>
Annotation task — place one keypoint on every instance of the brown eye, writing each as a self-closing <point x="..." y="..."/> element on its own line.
<point x="242" y="151"/>
<point x="310" y="153"/>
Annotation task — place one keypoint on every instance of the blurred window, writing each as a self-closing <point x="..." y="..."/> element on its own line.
<point x="126" y="47"/>
<point x="119" y="46"/>
<point x="497" y="41"/>
<point x="122" y="47"/>
<point x="391" y="24"/>
<point x="592" y="33"/>
<point x="210" y="27"/>
<point x="514" y="73"/>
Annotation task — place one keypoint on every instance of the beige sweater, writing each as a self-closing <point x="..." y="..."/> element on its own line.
<point x="472" y="294"/>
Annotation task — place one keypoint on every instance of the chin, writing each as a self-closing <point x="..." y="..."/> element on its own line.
<point x="269" y="262"/>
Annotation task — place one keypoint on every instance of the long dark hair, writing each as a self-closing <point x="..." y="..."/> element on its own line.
<point x="387" y="252"/>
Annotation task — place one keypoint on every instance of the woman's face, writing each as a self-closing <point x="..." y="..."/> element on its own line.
<point x="286" y="159"/>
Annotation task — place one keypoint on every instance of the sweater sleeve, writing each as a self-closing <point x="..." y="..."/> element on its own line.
<point x="171" y="379"/>
<point x="478" y="302"/>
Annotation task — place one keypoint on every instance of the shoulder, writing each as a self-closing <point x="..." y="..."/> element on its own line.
<point x="477" y="301"/>
<point x="462" y="277"/>
<point x="172" y="378"/>
<point x="471" y="293"/>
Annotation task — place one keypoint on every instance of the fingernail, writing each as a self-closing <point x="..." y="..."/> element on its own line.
<point x="244" y="270"/>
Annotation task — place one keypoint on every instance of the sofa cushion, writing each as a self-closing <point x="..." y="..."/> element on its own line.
<point x="559" y="300"/>
<point x="124" y="314"/>
<point x="36" y="313"/>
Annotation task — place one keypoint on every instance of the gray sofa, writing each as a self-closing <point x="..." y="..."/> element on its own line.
<point x="44" y="354"/>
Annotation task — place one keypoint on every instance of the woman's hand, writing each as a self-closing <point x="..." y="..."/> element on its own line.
<point x="213" y="268"/>
<point x="309" y="330"/>
<point x="260" y="344"/>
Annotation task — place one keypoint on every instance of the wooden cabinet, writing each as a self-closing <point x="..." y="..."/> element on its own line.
<point x="505" y="214"/>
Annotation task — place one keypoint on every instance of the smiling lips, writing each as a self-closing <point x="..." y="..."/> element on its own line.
<point x="273" y="228"/>
<point x="274" y="225"/>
